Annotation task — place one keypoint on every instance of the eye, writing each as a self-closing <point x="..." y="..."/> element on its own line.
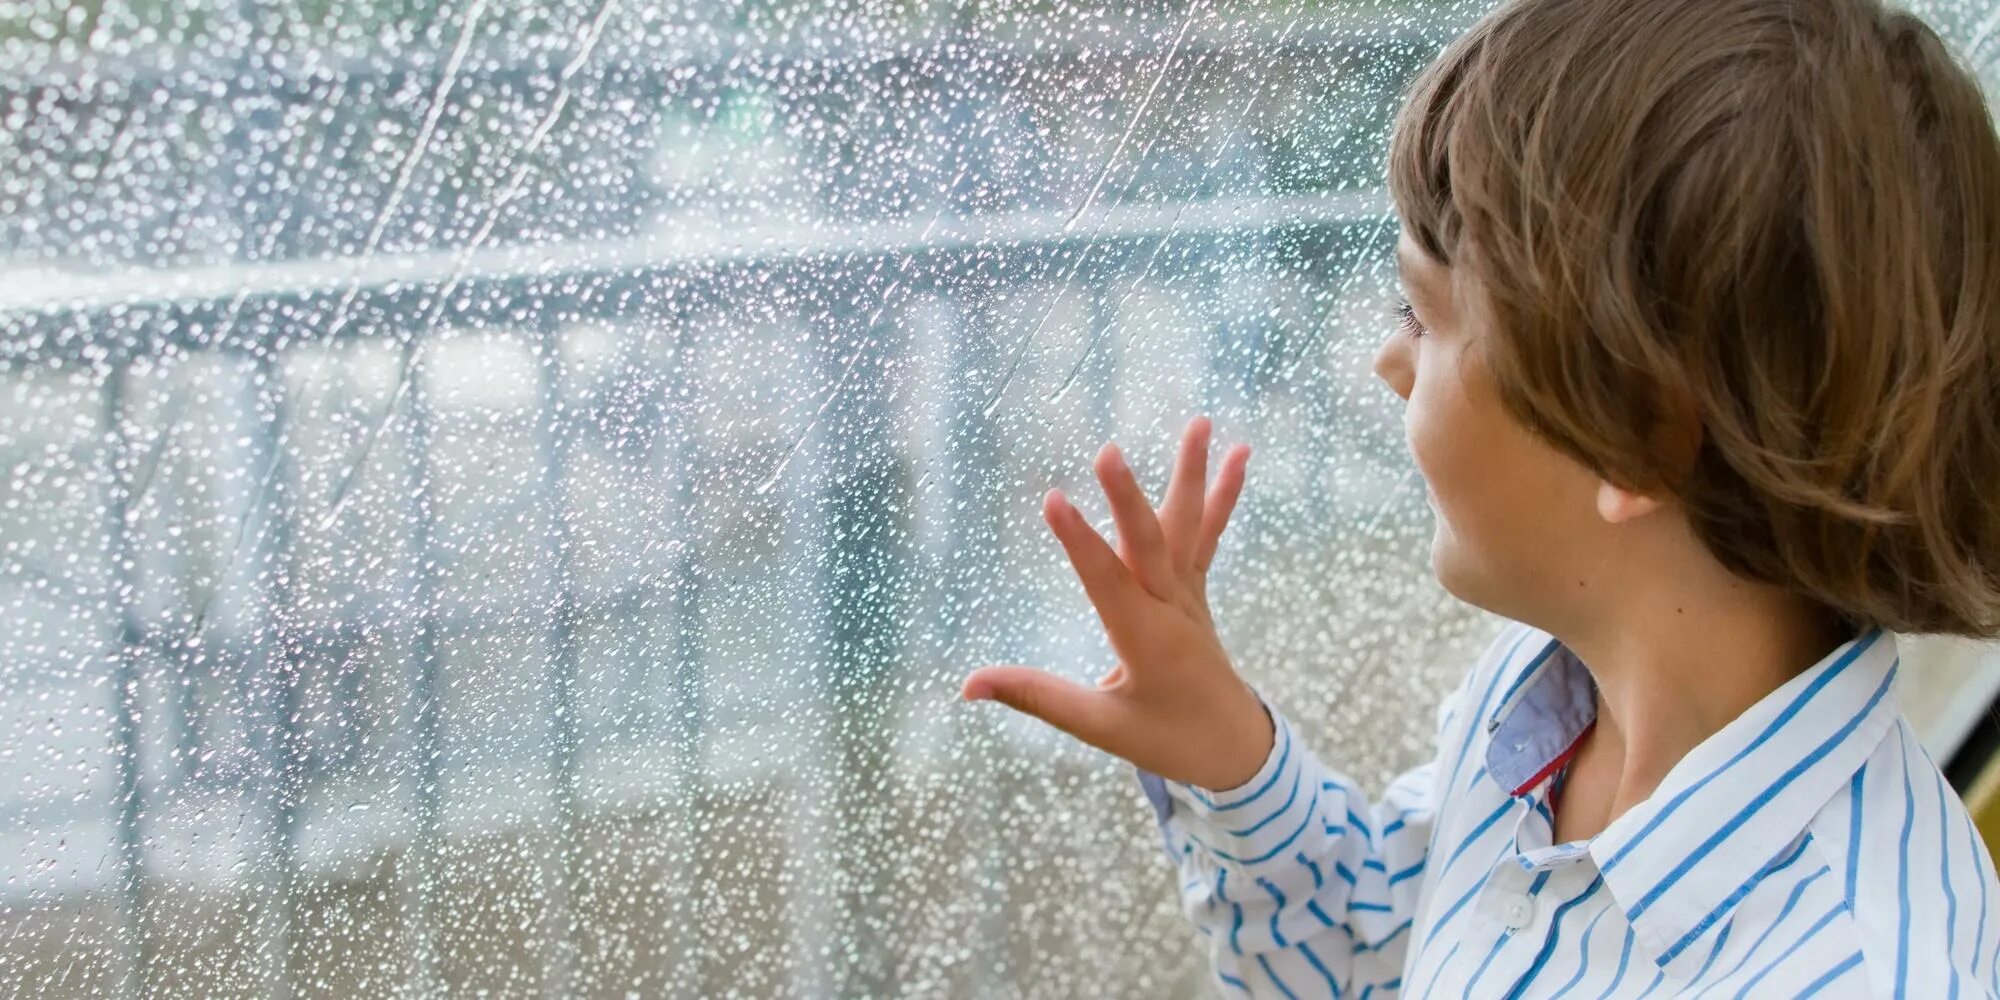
<point x="1407" y="316"/>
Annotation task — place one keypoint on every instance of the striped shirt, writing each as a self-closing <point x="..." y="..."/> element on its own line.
<point x="1810" y="847"/>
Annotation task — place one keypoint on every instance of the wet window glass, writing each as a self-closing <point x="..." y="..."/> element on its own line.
<point x="499" y="497"/>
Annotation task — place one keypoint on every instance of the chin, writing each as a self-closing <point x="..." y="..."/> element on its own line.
<point x="1487" y="584"/>
<point x="1441" y="553"/>
<point x="1448" y="565"/>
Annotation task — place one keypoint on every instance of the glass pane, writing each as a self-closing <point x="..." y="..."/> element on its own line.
<point x="500" y="497"/>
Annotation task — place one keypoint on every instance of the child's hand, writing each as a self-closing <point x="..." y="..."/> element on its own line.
<point x="1173" y="704"/>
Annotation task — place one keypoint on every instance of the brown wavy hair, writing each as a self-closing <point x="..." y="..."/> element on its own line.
<point x="1746" y="254"/>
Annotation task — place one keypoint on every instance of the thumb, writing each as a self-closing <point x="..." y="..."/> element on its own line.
<point x="1085" y="713"/>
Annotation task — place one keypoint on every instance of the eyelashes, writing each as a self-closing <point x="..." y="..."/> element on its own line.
<point x="1407" y="318"/>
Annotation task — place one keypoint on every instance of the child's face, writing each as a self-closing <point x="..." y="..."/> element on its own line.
<point x="1517" y="522"/>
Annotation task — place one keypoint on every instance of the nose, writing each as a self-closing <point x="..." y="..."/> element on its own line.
<point x="1392" y="364"/>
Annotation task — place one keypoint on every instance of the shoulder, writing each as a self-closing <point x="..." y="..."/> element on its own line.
<point x="1917" y="879"/>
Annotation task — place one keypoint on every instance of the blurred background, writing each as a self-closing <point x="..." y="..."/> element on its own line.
<point x="499" y="497"/>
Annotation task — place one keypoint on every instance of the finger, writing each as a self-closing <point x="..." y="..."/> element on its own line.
<point x="1106" y="580"/>
<point x="1180" y="517"/>
<point x="1221" y="502"/>
<point x="1084" y="713"/>
<point x="1140" y="543"/>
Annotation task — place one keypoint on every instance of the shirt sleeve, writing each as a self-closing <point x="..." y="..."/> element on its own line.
<point x="1298" y="885"/>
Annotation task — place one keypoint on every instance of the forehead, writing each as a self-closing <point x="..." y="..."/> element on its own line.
<point x="1432" y="283"/>
<point x="1414" y="264"/>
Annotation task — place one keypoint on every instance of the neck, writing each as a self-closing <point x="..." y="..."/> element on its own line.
<point x="1676" y="661"/>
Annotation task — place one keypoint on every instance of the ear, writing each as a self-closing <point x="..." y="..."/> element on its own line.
<point x="1617" y="505"/>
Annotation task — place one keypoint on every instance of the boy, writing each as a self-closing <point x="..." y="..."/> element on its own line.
<point x="1701" y="357"/>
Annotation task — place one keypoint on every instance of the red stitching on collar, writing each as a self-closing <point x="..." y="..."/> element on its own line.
<point x="1561" y="759"/>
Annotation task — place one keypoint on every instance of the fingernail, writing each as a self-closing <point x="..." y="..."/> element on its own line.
<point x="1117" y="457"/>
<point x="975" y="692"/>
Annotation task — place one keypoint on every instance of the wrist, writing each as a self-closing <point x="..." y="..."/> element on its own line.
<point x="1254" y="756"/>
<point x="1259" y="820"/>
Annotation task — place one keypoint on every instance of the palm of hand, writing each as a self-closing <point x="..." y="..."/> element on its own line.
<point x="1173" y="704"/>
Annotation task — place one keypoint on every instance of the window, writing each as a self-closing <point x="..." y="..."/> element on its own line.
<point x="499" y="497"/>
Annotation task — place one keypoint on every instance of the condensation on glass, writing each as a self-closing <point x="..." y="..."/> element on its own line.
<point x="499" y="497"/>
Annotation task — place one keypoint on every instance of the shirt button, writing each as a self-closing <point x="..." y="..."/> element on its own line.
<point x="1518" y="911"/>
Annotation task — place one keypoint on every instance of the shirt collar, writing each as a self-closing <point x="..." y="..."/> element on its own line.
<point x="1677" y="862"/>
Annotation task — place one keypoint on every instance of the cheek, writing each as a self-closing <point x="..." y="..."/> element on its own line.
<point x="1511" y="513"/>
<point x="1435" y="426"/>
<point x="1463" y="453"/>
